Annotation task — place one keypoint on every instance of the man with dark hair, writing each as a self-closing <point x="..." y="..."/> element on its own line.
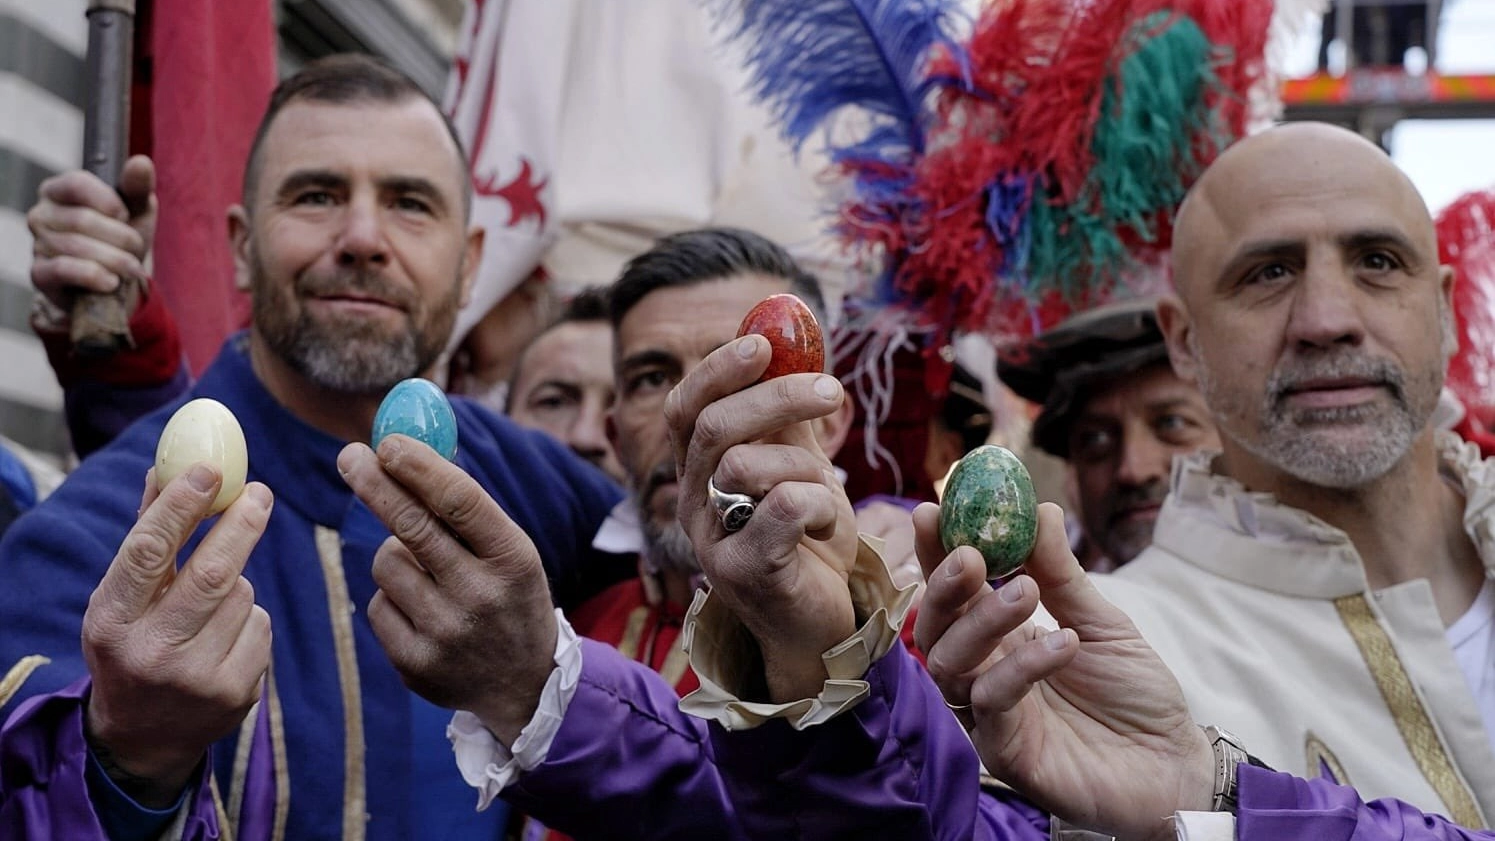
<point x="563" y="381"/>
<point x="697" y="256"/>
<point x="1113" y="409"/>
<point x="357" y="255"/>
<point x="673" y="305"/>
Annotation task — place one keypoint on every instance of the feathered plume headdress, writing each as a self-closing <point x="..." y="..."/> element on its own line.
<point x="1003" y="171"/>
<point x="1466" y="241"/>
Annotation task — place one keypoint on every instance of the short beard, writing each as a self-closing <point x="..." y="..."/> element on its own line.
<point x="1289" y="438"/>
<point x="356" y="361"/>
<point x="350" y="357"/>
<point x="666" y="548"/>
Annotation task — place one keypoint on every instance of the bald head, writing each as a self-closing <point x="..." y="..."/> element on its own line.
<point x="1286" y="164"/>
<point x="1311" y="309"/>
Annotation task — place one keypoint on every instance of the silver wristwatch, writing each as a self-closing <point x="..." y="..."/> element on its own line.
<point x="1229" y="754"/>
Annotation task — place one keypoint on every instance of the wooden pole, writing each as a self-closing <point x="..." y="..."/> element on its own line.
<point x="100" y="321"/>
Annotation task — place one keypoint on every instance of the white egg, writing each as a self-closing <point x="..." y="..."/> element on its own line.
<point x="204" y="430"/>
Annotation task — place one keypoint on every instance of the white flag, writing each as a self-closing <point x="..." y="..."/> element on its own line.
<point x="596" y="126"/>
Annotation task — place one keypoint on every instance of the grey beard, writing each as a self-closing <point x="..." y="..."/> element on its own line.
<point x="354" y="364"/>
<point x="1289" y="438"/>
<point x="668" y="549"/>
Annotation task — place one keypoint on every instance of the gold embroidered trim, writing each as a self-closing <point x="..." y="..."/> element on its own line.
<point x="676" y="663"/>
<point x="227" y="831"/>
<point x="1319" y="756"/>
<point x="1406" y="709"/>
<point x="633" y="632"/>
<point x="11" y="683"/>
<point x="282" y="768"/>
<point x="340" y="607"/>
<point x="241" y="764"/>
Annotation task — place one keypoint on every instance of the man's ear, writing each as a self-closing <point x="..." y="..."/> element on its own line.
<point x="1177" y="329"/>
<point x="831" y="430"/>
<point x="1448" y="317"/>
<point x="472" y="260"/>
<point x="238" y="242"/>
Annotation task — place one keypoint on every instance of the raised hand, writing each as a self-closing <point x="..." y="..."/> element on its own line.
<point x="1086" y="720"/>
<point x="463" y="608"/>
<point x="785" y="573"/>
<point x="177" y="658"/>
<point x="85" y="236"/>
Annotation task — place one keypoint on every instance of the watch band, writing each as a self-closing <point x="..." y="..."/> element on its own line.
<point x="1229" y="755"/>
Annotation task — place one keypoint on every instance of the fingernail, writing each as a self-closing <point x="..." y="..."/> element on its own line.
<point x="953" y="565"/>
<point x="1012" y="591"/>
<point x="390" y="449"/>
<point x="201" y="478"/>
<point x="1055" y="640"/>
<point x="827" y="387"/>
<point x="747" y="347"/>
<point x="259" y="495"/>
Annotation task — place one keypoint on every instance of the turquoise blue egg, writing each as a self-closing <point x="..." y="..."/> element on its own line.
<point x="419" y="409"/>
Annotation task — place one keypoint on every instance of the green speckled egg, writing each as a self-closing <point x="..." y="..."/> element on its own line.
<point x="989" y="504"/>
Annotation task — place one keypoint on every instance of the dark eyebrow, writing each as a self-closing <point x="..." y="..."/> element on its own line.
<point x="1253" y="252"/>
<point x="648" y="357"/>
<point x="302" y="179"/>
<point x="1170" y="402"/>
<point x="415" y="185"/>
<point x="1380" y="237"/>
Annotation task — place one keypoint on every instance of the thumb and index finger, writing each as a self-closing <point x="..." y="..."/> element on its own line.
<point x="1064" y="588"/>
<point x="435" y="508"/>
<point x="146" y="560"/>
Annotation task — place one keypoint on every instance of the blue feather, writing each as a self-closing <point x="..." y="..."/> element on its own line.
<point x="810" y="58"/>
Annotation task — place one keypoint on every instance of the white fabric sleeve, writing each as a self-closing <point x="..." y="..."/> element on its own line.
<point x="1204" y="826"/>
<point x="486" y="764"/>
<point x="723" y="652"/>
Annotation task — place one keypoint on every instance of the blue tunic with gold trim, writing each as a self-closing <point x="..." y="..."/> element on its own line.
<point x="354" y="754"/>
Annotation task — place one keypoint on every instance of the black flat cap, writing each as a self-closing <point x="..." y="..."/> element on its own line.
<point x="1060" y="368"/>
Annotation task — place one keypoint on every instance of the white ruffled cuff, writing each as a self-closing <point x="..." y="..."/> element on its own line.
<point x="723" y="652"/>
<point x="1204" y="826"/>
<point x="484" y="762"/>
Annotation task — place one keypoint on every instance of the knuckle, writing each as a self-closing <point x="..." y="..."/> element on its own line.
<point x="412" y="525"/>
<point x="214" y="574"/>
<point x="144" y="548"/>
<point x="98" y="634"/>
<point x="673" y="407"/>
<point x="711" y="428"/>
<point x="938" y="663"/>
<point x="784" y="390"/>
<point x="732" y="470"/>
<point x="461" y="503"/>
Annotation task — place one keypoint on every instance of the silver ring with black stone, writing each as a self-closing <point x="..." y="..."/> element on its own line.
<point x="734" y="510"/>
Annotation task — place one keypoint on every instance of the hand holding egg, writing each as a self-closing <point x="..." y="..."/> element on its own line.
<point x="177" y="656"/>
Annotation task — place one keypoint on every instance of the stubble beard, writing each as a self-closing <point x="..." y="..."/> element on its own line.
<point x="667" y="548"/>
<point x="1343" y="447"/>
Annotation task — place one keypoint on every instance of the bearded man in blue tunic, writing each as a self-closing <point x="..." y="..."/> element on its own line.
<point x="354" y="241"/>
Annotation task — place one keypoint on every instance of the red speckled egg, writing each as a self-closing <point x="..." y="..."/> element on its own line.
<point x="792" y="332"/>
